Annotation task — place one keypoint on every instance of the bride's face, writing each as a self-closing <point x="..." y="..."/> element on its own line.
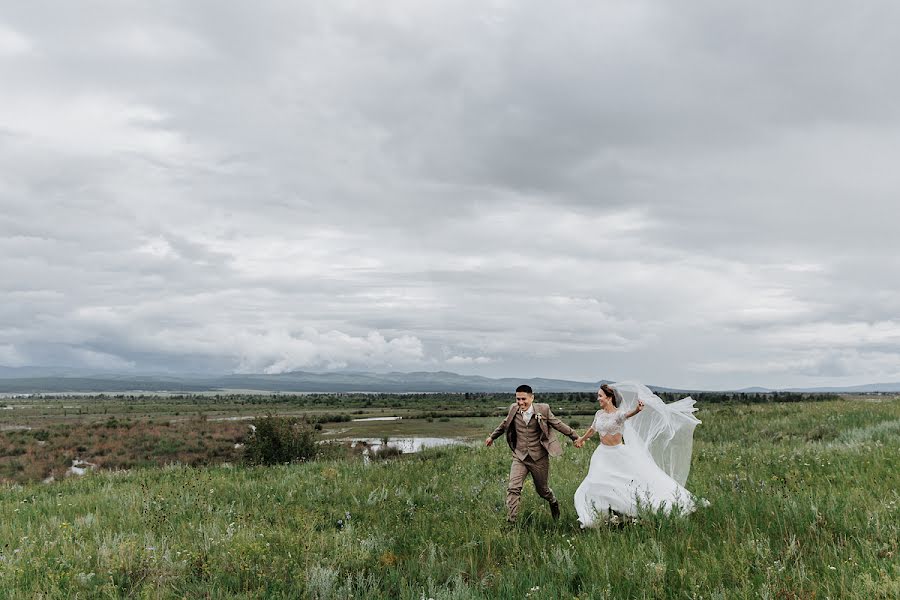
<point x="603" y="399"/>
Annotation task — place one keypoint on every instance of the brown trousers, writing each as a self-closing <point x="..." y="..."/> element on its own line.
<point x="540" y="473"/>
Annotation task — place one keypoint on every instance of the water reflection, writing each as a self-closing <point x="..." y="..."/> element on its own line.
<point x="404" y="445"/>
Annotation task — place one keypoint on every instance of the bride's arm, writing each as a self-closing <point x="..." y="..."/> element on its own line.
<point x="637" y="409"/>
<point x="587" y="435"/>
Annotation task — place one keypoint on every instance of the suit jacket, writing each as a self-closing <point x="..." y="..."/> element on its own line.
<point x="545" y="418"/>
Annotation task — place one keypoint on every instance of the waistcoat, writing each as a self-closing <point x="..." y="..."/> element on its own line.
<point x="528" y="438"/>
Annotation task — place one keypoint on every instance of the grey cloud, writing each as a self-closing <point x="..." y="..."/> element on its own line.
<point x="619" y="190"/>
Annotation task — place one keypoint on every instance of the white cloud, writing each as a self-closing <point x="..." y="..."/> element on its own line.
<point x="690" y="199"/>
<point x="156" y="42"/>
<point x="819" y="363"/>
<point x="842" y="335"/>
<point x="100" y="360"/>
<point x="13" y="43"/>
<point x="94" y="124"/>
<point x="469" y="360"/>
<point x="279" y="352"/>
<point x="11" y="357"/>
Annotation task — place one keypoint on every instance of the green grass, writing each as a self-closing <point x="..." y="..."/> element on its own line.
<point x="804" y="504"/>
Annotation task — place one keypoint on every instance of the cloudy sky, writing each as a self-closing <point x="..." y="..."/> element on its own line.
<point x="696" y="193"/>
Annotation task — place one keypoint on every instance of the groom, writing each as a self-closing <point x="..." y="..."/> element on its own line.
<point x="529" y="437"/>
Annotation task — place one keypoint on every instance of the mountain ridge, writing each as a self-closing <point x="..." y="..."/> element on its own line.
<point x="25" y="380"/>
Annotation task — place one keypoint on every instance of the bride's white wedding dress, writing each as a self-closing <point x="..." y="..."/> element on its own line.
<point x="649" y="469"/>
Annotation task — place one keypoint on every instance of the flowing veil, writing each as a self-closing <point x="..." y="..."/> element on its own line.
<point x="666" y="431"/>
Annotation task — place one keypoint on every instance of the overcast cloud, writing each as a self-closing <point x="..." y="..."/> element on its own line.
<point x="697" y="194"/>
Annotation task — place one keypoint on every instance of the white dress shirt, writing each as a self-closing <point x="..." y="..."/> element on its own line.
<point x="526" y="416"/>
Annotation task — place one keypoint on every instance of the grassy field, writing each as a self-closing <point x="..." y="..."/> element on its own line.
<point x="40" y="437"/>
<point x="805" y="503"/>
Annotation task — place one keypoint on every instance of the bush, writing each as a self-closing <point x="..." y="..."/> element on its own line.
<point x="385" y="452"/>
<point x="279" y="440"/>
<point x="328" y="418"/>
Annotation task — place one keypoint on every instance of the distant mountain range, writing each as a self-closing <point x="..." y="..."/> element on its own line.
<point x="27" y="380"/>
<point x="850" y="389"/>
<point x="853" y="389"/>
<point x="33" y="381"/>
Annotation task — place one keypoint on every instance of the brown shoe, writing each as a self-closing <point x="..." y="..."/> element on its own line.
<point x="554" y="510"/>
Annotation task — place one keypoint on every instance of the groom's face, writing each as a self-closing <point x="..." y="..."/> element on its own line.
<point x="524" y="400"/>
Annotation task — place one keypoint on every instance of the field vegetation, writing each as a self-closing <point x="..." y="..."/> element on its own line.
<point x="41" y="436"/>
<point x="804" y="503"/>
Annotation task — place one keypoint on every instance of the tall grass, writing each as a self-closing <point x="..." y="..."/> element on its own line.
<point x="804" y="503"/>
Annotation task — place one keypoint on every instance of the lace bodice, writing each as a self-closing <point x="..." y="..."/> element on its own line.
<point x="606" y="423"/>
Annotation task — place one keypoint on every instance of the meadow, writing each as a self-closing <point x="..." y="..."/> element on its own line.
<point x="804" y="503"/>
<point x="40" y="437"/>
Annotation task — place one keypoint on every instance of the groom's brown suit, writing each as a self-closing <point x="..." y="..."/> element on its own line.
<point x="531" y="445"/>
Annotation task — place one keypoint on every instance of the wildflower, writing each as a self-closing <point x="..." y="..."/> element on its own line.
<point x="85" y="577"/>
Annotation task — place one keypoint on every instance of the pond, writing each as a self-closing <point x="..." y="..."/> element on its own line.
<point x="405" y="445"/>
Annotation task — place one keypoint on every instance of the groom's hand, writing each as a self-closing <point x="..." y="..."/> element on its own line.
<point x="489" y="441"/>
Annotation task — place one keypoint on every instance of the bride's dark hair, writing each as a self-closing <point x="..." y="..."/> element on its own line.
<point x="609" y="391"/>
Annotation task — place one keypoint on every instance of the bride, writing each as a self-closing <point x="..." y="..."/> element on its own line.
<point x="643" y="457"/>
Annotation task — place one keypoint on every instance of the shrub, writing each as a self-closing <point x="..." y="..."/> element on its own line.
<point x="328" y="418"/>
<point x="385" y="452"/>
<point x="279" y="440"/>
